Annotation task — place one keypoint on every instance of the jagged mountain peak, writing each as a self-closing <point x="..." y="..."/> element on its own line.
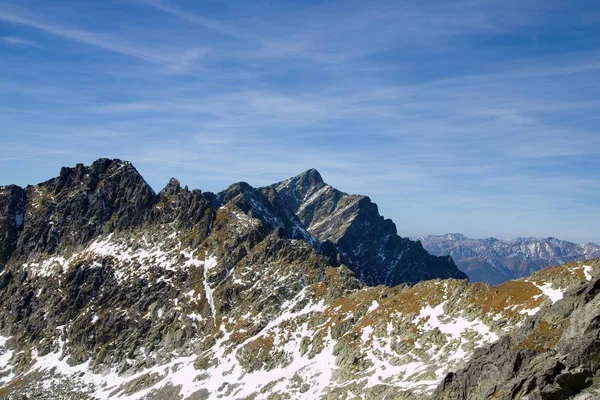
<point x="171" y="188"/>
<point x="104" y="170"/>
<point x="311" y="176"/>
<point x="85" y="201"/>
<point x="301" y="186"/>
<point x="367" y="241"/>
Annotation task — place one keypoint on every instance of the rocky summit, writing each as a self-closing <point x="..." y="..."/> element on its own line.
<point x="290" y="291"/>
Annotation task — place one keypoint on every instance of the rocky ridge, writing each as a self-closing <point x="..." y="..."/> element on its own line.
<point x="184" y="294"/>
<point x="494" y="261"/>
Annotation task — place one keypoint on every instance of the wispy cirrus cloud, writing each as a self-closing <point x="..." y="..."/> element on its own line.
<point x="173" y="60"/>
<point x="18" y="41"/>
<point x="208" y="23"/>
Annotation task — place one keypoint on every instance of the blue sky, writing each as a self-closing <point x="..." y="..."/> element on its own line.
<point x="479" y="117"/>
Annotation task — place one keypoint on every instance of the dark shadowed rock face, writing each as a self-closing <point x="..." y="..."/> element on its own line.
<point x="12" y="216"/>
<point x="365" y="241"/>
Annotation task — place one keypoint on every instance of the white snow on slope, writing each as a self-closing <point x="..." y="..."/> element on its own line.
<point x="553" y="294"/>
<point x="209" y="263"/>
<point x="453" y="327"/>
<point x="373" y="306"/>
<point x="132" y="258"/>
<point x="531" y="311"/>
<point x="587" y="271"/>
<point x="228" y="371"/>
<point x="6" y="375"/>
<point x="409" y="371"/>
<point x="47" y="267"/>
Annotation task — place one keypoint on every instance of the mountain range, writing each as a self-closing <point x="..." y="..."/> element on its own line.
<point x="494" y="261"/>
<point x="294" y="290"/>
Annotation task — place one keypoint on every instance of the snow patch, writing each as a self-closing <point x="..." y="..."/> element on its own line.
<point x="530" y="312"/>
<point x="47" y="267"/>
<point x="454" y="327"/>
<point x="553" y="294"/>
<point x="367" y="333"/>
<point x="209" y="263"/>
<point x="6" y="374"/>
<point x="587" y="271"/>
<point x="373" y="306"/>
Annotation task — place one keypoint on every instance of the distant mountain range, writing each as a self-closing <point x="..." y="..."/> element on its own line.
<point x="494" y="261"/>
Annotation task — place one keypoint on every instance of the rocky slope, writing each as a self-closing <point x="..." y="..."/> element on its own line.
<point x="553" y="355"/>
<point x="494" y="261"/>
<point x="113" y="291"/>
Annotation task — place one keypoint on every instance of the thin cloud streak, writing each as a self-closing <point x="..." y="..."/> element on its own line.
<point x="168" y="60"/>
<point x="18" y="41"/>
<point x="208" y="23"/>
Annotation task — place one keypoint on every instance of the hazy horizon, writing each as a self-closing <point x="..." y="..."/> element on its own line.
<point x="472" y="117"/>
